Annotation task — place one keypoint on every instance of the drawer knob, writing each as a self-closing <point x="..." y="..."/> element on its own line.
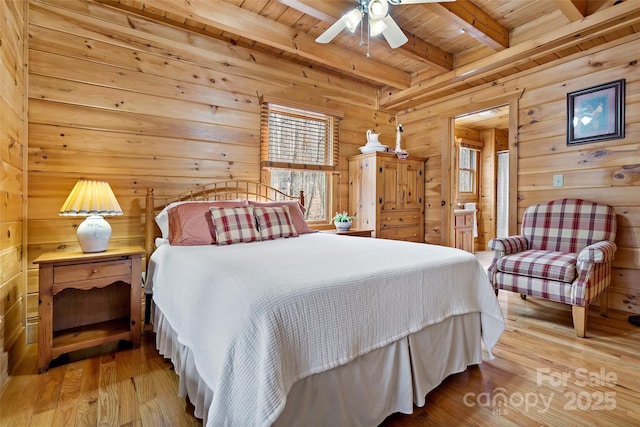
<point x="95" y="270"/>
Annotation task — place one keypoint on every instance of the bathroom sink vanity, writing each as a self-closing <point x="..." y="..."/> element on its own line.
<point x="463" y="222"/>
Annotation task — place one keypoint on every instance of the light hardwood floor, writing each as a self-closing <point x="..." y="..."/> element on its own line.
<point x="542" y="374"/>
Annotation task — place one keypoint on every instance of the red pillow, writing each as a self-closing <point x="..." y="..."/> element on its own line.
<point x="295" y="210"/>
<point x="190" y="224"/>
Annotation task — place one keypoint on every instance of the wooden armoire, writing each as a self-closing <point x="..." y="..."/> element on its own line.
<point x="387" y="195"/>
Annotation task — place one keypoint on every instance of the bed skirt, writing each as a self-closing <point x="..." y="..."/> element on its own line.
<point x="360" y="393"/>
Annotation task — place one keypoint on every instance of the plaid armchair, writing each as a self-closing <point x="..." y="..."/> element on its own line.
<point x="564" y="254"/>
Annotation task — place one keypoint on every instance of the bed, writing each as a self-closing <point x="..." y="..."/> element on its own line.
<point x="312" y="328"/>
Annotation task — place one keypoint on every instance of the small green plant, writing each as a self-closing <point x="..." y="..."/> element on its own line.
<point x="343" y="217"/>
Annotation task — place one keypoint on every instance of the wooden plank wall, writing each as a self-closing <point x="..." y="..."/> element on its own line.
<point x="607" y="171"/>
<point x="13" y="141"/>
<point x="140" y="104"/>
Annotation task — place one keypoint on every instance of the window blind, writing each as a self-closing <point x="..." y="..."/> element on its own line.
<point x="298" y="139"/>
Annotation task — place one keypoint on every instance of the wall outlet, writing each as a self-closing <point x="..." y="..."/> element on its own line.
<point x="558" y="180"/>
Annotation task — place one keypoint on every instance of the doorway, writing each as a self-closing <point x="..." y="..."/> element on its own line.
<point x="483" y="134"/>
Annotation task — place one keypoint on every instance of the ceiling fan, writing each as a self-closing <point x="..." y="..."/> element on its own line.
<point x="378" y="20"/>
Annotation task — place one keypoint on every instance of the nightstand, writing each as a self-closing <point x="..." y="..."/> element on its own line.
<point x="88" y="299"/>
<point x="351" y="232"/>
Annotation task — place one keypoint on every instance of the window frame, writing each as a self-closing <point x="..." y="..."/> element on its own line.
<point x="331" y="170"/>
<point x="473" y="170"/>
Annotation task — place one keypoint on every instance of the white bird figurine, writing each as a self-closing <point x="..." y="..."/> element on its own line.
<point x="402" y="154"/>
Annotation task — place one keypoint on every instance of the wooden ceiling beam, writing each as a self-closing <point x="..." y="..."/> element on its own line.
<point x="423" y="51"/>
<point x="416" y="48"/>
<point x="236" y="20"/>
<point x="574" y="10"/>
<point x="597" y="25"/>
<point x="474" y="21"/>
<point x="325" y="11"/>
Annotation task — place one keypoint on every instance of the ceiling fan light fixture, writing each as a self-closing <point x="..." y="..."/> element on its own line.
<point x="376" y="27"/>
<point x="378" y="19"/>
<point x="378" y="9"/>
<point x="353" y="19"/>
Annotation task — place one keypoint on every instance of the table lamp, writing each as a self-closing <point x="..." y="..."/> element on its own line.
<point x="93" y="199"/>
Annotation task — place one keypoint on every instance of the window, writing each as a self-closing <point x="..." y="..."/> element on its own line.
<point x="467" y="170"/>
<point x="299" y="151"/>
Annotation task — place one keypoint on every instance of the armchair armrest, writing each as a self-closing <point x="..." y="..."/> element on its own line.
<point x="594" y="272"/>
<point x="504" y="246"/>
<point x="598" y="252"/>
<point x="509" y="245"/>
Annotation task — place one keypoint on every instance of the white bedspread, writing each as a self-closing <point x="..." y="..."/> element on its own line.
<point x="260" y="316"/>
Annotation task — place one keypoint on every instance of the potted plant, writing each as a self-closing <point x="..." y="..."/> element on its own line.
<point x="343" y="221"/>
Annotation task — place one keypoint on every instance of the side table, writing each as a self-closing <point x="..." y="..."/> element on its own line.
<point x="88" y="299"/>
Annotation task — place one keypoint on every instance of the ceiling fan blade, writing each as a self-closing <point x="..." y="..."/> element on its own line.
<point x="394" y="35"/>
<point x="332" y="31"/>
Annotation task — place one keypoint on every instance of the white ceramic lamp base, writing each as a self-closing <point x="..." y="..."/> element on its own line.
<point x="94" y="234"/>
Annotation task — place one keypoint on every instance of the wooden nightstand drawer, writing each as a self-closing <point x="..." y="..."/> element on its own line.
<point x="95" y="270"/>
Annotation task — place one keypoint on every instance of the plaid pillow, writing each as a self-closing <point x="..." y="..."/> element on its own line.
<point x="274" y="222"/>
<point x="234" y="225"/>
<point x="296" y="211"/>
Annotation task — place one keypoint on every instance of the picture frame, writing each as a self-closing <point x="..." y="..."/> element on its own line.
<point x="596" y="113"/>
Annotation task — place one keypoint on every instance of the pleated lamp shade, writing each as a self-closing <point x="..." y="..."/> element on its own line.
<point x="93" y="199"/>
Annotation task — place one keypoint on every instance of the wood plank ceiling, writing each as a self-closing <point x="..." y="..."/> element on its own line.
<point x="452" y="46"/>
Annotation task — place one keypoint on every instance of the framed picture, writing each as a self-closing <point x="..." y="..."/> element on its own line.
<point x="596" y="113"/>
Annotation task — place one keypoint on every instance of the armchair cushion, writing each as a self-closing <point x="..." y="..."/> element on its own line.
<point x="558" y="266"/>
